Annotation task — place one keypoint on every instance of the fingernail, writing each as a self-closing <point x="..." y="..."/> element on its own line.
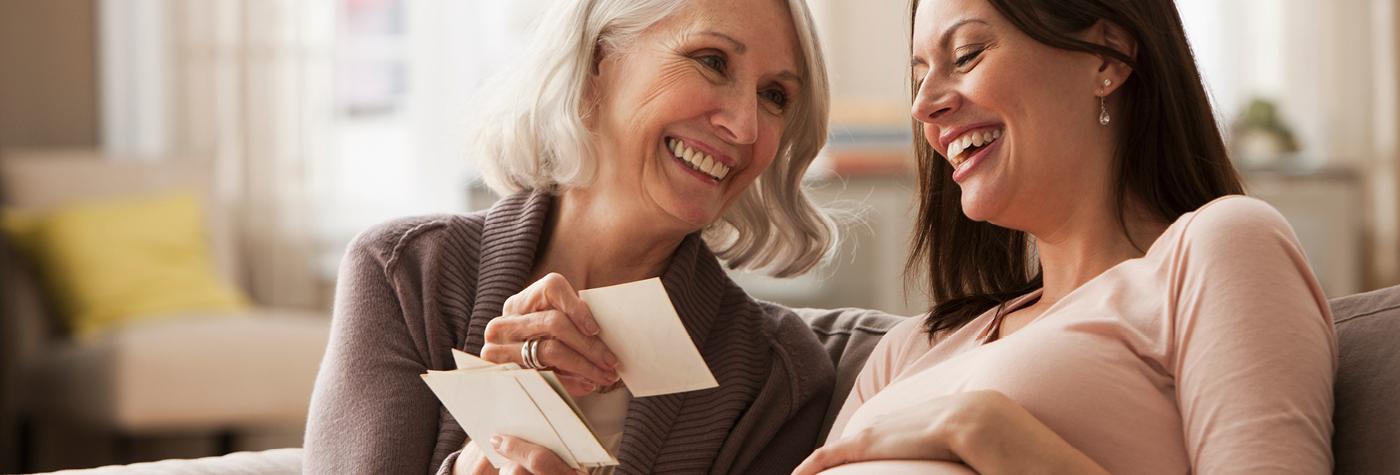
<point x="611" y="359"/>
<point x="592" y="328"/>
<point x="496" y="441"/>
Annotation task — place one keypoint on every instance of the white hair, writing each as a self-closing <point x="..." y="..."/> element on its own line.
<point x="530" y="132"/>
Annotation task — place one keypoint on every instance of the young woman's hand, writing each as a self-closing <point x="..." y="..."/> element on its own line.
<point x="983" y="429"/>
<point x="925" y="433"/>
<point x="525" y="458"/>
<point x="551" y="311"/>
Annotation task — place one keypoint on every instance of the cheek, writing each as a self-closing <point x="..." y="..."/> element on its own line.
<point x="766" y="148"/>
<point x="675" y="88"/>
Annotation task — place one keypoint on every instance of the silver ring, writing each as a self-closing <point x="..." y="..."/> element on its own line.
<point x="525" y="354"/>
<point x="529" y="353"/>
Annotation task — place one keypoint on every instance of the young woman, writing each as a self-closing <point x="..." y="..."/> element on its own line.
<point x="1106" y="300"/>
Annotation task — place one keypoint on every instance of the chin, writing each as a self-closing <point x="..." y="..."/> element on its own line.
<point x="977" y="208"/>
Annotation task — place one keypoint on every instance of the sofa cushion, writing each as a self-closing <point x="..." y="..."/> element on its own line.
<point x="848" y="334"/>
<point x="254" y="369"/>
<point x="267" y="462"/>
<point x="1367" y="417"/>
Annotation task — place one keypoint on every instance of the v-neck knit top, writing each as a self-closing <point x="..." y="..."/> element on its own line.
<point x="413" y="289"/>
<point x="1213" y="353"/>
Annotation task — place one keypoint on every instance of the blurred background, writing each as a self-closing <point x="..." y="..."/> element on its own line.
<point x="180" y="179"/>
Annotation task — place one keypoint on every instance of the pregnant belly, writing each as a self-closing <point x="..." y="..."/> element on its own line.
<point x="901" y="467"/>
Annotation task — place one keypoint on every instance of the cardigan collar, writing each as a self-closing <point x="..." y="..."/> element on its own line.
<point x="694" y="280"/>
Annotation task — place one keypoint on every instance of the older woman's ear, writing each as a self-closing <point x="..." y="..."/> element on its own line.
<point x="597" y="57"/>
<point x="593" y="87"/>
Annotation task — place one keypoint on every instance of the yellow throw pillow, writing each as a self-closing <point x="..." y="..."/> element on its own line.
<point x="114" y="262"/>
<point x="20" y="229"/>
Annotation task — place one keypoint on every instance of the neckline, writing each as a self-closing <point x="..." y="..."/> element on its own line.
<point x="1000" y="312"/>
<point x="1016" y="304"/>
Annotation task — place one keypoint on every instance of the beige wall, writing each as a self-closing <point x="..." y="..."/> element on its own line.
<point x="1388" y="274"/>
<point x="48" y="73"/>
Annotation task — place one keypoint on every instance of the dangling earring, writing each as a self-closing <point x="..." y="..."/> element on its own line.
<point x="1103" y="103"/>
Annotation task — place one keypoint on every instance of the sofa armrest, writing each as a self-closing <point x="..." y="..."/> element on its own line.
<point x="848" y="334"/>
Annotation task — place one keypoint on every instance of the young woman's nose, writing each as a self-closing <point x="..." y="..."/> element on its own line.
<point x="933" y="102"/>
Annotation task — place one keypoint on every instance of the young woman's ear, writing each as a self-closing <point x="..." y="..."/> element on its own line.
<point x="1114" y="37"/>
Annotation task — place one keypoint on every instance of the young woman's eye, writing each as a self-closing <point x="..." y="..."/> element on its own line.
<point x="961" y="61"/>
<point x="713" y="61"/>
<point x="775" y="96"/>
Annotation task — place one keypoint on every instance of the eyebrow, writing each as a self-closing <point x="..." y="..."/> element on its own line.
<point x="948" y="35"/>
<point x="790" y="76"/>
<point x="740" y="48"/>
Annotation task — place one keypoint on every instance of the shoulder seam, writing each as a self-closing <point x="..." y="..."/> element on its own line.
<point x="405" y="238"/>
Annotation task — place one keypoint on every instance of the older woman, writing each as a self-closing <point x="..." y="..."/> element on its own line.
<point x="637" y="139"/>
<point x="1104" y="303"/>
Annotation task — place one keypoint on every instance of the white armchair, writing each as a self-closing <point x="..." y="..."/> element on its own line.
<point x="204" y="376"/>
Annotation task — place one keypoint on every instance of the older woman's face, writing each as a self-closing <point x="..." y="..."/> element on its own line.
<point x="1015" y="118"/>
<point x="691" y="112"/>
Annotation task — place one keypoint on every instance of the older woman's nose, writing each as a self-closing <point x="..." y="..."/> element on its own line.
<point x="933" y="102"/>
<point x="737" y="119"/>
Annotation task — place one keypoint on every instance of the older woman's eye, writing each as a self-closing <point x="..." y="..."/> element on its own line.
<point x="775" y="96"/>
<point x="715" y="62"/>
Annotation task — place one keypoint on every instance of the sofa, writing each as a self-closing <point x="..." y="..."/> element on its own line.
<point x="222" y="378"/>
<point x="1367" y="419"/>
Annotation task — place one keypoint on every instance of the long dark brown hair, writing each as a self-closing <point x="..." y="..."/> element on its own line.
<point x="1169" y="156"/>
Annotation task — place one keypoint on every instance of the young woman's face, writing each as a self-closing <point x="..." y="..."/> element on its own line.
<point x="691" y="112"/>
<point x="1017" y="119"/>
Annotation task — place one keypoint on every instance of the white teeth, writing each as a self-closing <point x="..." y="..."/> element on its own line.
<point x="979" y="138"/>
<point x="698" y="160"/>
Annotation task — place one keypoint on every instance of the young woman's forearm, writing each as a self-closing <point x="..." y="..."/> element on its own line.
<point x="1009" y="439"/>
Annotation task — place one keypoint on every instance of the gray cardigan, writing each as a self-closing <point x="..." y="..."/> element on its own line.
<point x="412" y="289"/>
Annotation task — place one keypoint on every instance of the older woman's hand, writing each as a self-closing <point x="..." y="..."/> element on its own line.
<point x="524" y="458"/>
<point x="550" y="310"/>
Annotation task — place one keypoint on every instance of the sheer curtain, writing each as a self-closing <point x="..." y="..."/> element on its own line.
<point x="1331" y="67"/>
<point x="247" y="90"/>
<point x="320" y="117"/>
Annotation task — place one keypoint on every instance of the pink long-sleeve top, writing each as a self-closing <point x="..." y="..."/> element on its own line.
<point x="1213" y="353"/>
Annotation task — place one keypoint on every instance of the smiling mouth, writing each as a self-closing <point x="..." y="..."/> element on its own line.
<point x="697" y="160"/>
<point x="964" y="147"/>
